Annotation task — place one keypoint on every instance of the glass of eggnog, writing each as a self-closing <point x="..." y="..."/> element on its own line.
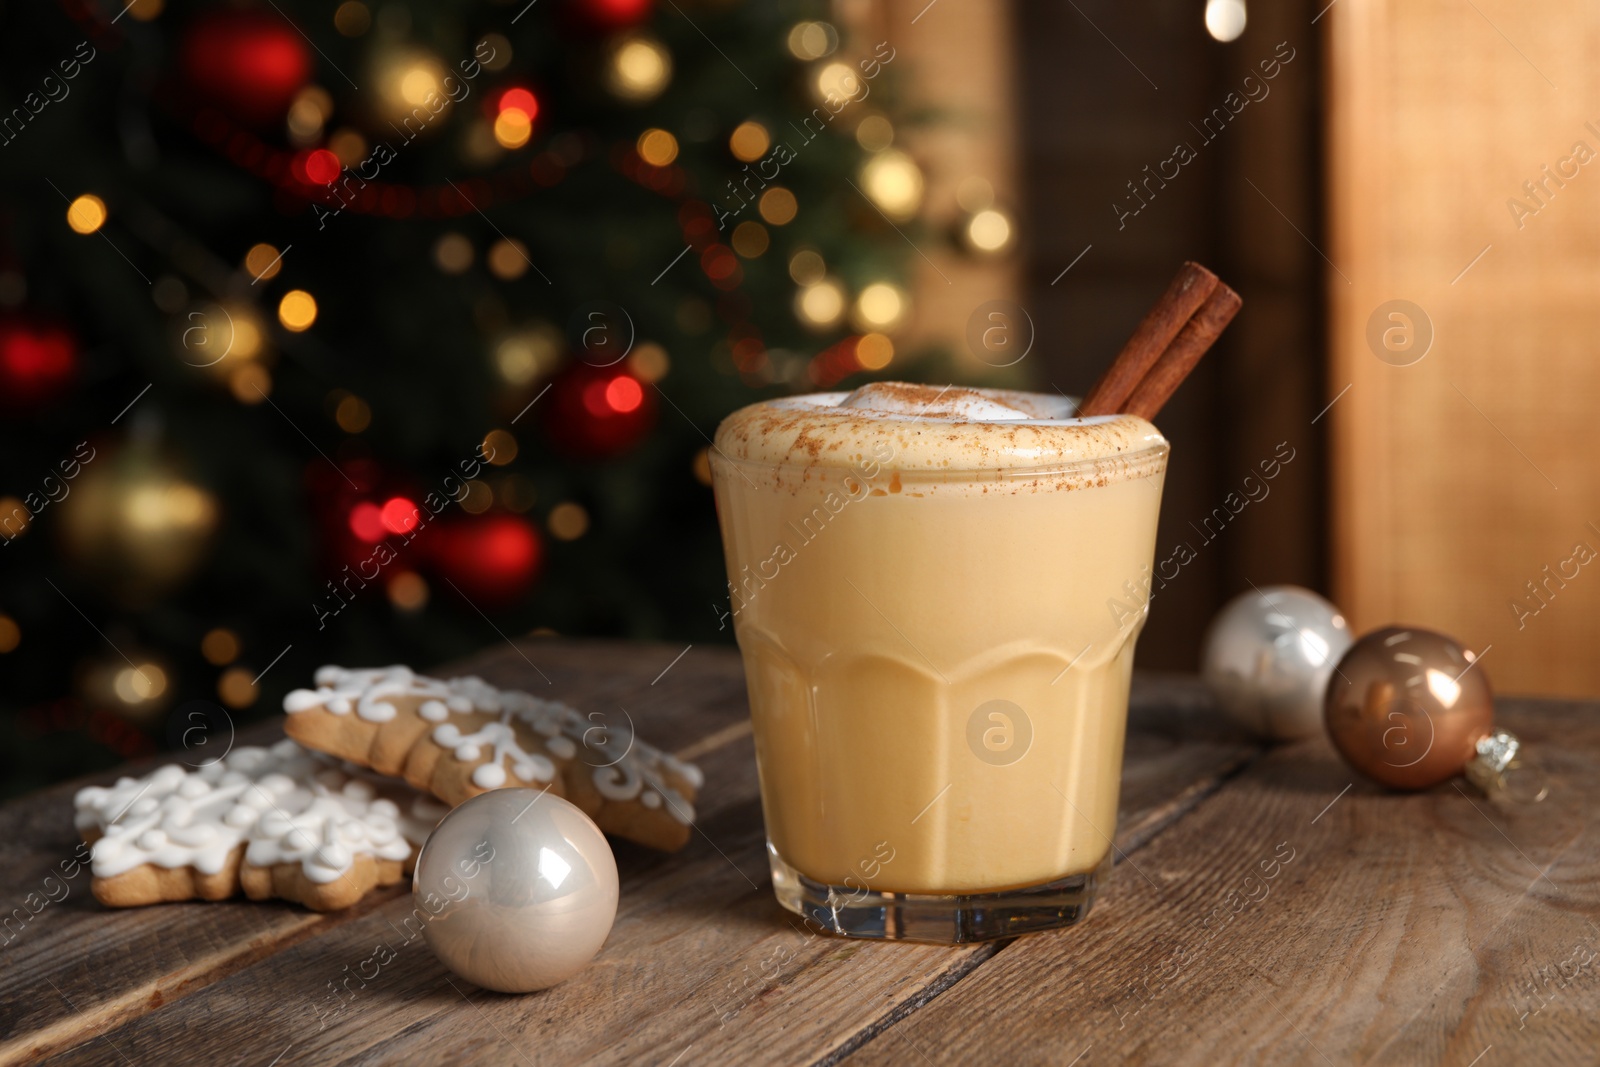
<point x="930" y="588"/>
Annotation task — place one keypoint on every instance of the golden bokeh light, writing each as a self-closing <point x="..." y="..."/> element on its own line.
<point x="352" y="18"/>
<point x="478" y="498"/>
<point x="893" y="181"/>
<point x="310" y="109"/>
<point x="263" y="262"/>
<point x="353" y="414"/>
<point x="880" y="306"/>
<point x="86" y="214"/>
<point x="702" y="466"/>
<point x="15" y="518"/>
<point x="159" y="507"/>
<point x="417" y="83"/>
<point x="498" y="50"/>
<point x="567" y="521"/>
<point x="749" y="141"/>
<point x="639" y="69"/>
<point x="499" y="447"/>
<point x="874" y="351"/>
<point x="135" y="685"/>
<point x="246" y="337"/>
<point x="512" y="128"/>
<point x="452" y="253"/>
<point x="250" y="383"/>
<point x="806" y="267"/>
<point x="812" y="40"/>
<point x="297" y="310"/>
<point x="648" y="362"/>
<point x="875" y="133"/>
<point x="989" y="230"/>
<point x="821" y="303"/>
<point x="750" y="239"/>
<point x="657" y="147"/>
<point x="508" y="259"/>
<point x="408" y="591"/>
<point x="220" y="647"/>
<point x="838" y="81"/>
<point x="778" y="206"/>
<point x="526" y="354"/>
<point x="236" y="688"/>
<point x="10" y="634"/>
<point x="349" y="146"/>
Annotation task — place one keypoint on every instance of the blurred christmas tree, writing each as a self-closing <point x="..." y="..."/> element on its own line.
<point x="376" y="334"/>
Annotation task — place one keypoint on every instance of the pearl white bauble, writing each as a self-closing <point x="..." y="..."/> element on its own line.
<point x="517" y="890"/>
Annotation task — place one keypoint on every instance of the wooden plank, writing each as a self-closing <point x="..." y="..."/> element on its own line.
<point x="701" y="956"/>
<point x="1384" y="929"/>
<point x="113" y="965"/>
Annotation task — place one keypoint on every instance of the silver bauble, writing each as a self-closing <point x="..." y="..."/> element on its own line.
<point x="1268" y="656"/>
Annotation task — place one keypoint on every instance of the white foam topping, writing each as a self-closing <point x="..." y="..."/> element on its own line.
<point x="947" y="428"/>
<point x="927" y="401"/>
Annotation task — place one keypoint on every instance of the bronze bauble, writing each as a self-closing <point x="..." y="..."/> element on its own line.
<point x="1407" y="707"/>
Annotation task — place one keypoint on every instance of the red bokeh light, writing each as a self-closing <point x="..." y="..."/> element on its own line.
<point x="615" y="13"/>
<point x="492" y="559"/>
<point x="250" y="62"/>
<point x="718" y="262"/>
<point x="322" y="166"/>
<point x="624" y="394"/>
<point x="520" y="99"/>
<point x="36" y="361"/>
<point x="597" y="412"/>
<point x="399" y="515"/>
<point x="366" y="522"/>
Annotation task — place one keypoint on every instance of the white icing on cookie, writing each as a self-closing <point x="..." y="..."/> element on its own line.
<point x="284" y="804"/>
<point x="624" y="768"/>
<point x="370" y="692"/>
<point x="502" y="737"/>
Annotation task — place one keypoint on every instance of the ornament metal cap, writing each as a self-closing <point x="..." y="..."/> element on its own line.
<point x="1498" y="770"/>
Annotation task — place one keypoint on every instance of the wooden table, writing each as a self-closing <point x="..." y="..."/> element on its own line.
<point x="1431" y="928"/>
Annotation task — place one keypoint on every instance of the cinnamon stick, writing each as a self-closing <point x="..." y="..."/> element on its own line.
<point x="1155" y="332"/>
<point x="1169" y="371"/>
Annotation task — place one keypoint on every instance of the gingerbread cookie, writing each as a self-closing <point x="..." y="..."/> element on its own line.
<point x="275" y="822"/>
<point x="462" y="737"/>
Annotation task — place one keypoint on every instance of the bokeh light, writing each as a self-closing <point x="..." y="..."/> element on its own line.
<point x="263" y="262"/>
<point x="86" y="214"/>
<point x="749" y="141"/>
<point x="220" y="647"/>
<point x="657" y="147"/>
<point x="778" y="206"/>
<point x="297" y="310"/>
<point x="820" y="304"/>
<point x="639" y="69"/>
<point x="893" y="181"/>
<point x="874" y="351"/>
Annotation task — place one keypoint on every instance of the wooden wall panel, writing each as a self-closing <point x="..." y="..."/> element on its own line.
<point x="1457" y="479"/>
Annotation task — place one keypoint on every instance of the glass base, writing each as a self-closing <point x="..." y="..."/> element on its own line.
<point x="937" y="918"/>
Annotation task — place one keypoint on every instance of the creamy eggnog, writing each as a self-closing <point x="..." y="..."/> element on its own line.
<point x="930" y="589"/>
